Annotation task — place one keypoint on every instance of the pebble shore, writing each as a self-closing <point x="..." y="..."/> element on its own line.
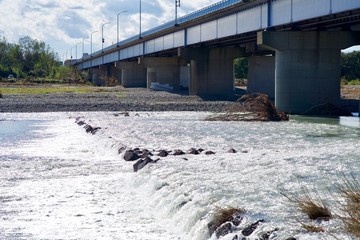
<point x="133" y="99"/>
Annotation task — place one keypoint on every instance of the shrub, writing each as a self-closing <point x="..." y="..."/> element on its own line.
<point x="315" y="209"/>
<point x="223" y="215"/>
<point x="350" y="191"/>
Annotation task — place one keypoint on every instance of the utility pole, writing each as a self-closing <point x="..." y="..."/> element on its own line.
<point x="177" y="5"/>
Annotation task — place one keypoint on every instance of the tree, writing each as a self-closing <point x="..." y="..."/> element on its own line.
<point x="241" y="67"/>
<point x="350" y="65"/>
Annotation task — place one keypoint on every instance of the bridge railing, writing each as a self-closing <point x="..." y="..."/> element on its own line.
<point x="186" y="18"/>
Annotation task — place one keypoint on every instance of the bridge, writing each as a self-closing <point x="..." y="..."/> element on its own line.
<point x="293" y="47"/>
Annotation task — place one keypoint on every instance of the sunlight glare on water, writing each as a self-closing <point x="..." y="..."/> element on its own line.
<point x="59" y="182"/>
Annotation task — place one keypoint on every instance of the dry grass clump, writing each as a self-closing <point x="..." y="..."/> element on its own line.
<point x="312" y="228"/>
<point x="350" y="191"/>
<point x="223" y="215"/>
<point x="251" y="107"/>
<point x="315" y="209"/>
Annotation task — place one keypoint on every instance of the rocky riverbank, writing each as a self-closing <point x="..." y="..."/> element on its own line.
<point x="116" y="99"/>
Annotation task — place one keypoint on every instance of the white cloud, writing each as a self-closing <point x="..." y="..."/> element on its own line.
<point x="64" y="24"/>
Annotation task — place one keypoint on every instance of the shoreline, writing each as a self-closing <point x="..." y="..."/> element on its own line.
<point x="118" y="99"/>
<point x="124" y="99"/>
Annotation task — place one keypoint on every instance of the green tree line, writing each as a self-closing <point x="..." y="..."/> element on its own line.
<point x="28" y="58"/>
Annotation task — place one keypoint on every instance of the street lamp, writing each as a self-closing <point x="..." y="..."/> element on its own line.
<point x="91" y="42"/>
<point x="102" y="36"/>
<point x="83" y="46"/>
<point x="140" y="20"/>
<point x="76" y="50"/>
<point x="117" y="19"/>
<point x="177" y="4"/>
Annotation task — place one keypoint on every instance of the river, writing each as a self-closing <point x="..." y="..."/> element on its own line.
<point x="59" y="182"/>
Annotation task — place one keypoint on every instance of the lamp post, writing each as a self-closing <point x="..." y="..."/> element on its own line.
<point x="76" y="50"/>
<point x="102" y="36"/>
<point x="177" y="5"/>
<point x="117" y="28"/>
<point x="140" y="19"/>
<point x="91" y="42"/>
<point x="83" y="46"/>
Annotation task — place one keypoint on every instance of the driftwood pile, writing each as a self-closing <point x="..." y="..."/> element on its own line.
<point x="251" y="107"/>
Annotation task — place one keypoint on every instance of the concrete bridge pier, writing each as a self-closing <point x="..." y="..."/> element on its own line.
<point x="261" y="75"/>
<point x="164" y="70"/>
<point x="212" y="70"/>
<point x="115" y="73"/>
<point x="133" y="74"/>
<point x="307" y="67"/>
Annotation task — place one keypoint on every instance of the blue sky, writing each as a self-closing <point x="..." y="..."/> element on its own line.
<point x="64" y="24"/>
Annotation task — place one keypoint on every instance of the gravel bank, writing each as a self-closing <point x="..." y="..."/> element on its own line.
<point x="119" y="99"/>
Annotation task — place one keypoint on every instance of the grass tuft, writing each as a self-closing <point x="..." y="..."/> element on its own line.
<point x="312" y="228"/>
<point x="350" y="191"/>
<point x="223" y="215"/>
<point x="315" y="209"/>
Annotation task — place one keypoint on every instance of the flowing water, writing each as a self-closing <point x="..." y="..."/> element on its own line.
<point x="59" y="182"/>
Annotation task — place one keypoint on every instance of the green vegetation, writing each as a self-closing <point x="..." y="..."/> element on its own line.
<point x="350" y="67"/>
<point x="27" y="58"/>
<point x="241" y="68"/>
<point x="45" y="90"/>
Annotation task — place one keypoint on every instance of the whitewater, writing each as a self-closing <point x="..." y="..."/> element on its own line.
<point x="59" y="182"/>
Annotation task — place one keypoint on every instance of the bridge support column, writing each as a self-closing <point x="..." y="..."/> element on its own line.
<point x="133" y="74"/>
<point x="261" y="75"/>
<point x="212" y="70"/>
<point x="307" y="67"/>
<point x="164" y="70"/>
<point x="115" y="73"/>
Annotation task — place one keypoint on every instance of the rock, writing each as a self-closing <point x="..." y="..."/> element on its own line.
<point x="224" y="229"/>
<point x="194" y="151"/>
<point x="94" y="130"/>
<point x="121" y="149"/>
<point x="200" y="150"/>
<point x="236" y="237"/>
<point x="232" y="150"/>
<point x="163" y="153"/>
<point x="142" y="163"/>
<point x="209" y="153"/>
<point x="266" y="236"/>
<point x="290" y="238"/>
<point x="145" y="153"/>
<point x="130" y="155"/>
<point x="178" y="152"/>
<point x="81" y="123"/>
<point x="251" y="228"/>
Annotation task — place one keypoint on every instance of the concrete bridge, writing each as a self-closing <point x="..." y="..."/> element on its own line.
<point x="294" y="49"/>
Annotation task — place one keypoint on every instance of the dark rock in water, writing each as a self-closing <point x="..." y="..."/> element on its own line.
<point x="142" y="163"/>
<point x="130" y="155"/>
<point x="327" y="109"/>
<point x="121" y="149"/>
<point x="94" y="130"/>
<point x="81" y="123"/>
<point x="236" y="237"/>
<point x="291" y="238"/>
<point x="194" y="151"/>
<point x="88" y="128"/>
<point x="163" y="153"/>
<point x="266" y="236"/>
<point x="224" y="229"/>
<point x="251" y="228"/>
<point x="178" y="152"/>
<point x="209" y="153"/>
<point x="185" y="159"/>
<point x="233" y="216"/>
<point x="145" y="153"/>
<point x="200" y="150"/>
<point x="232" y="151"/>
<point x="136" y="149"/>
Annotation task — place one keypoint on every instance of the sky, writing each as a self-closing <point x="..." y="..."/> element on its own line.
<point x="64" y="24"/>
